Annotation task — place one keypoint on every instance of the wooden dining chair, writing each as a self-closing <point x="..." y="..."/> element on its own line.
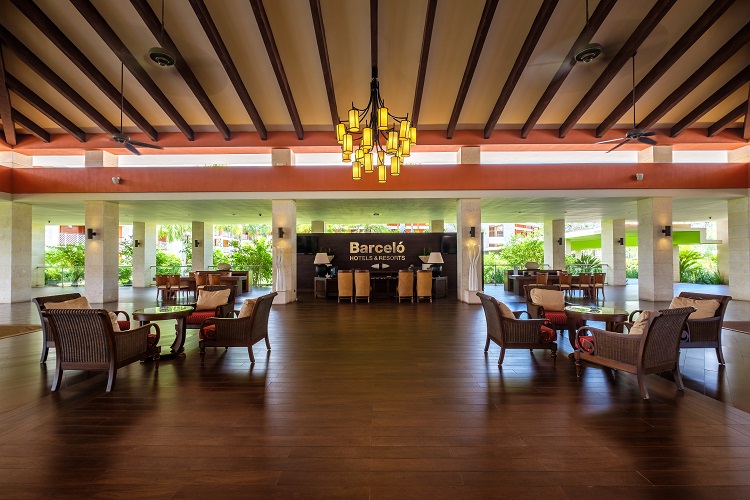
<point x="362" y="287"/>
<point x="162" y="286"/>
<point x="200" y="282"/>
<point x="541" y="278"/>
<point x="175" y="288"/>
<point x="405" y="285"/>
<point x="598" y="284"/>
<point x="214" y="279"/>
<point x="566" y="282"/>
<point x="583" y="285"/>
<point x="345" y="280"/>
<point x="424" y="285"/>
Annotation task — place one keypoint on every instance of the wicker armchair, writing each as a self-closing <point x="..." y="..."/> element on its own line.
<point x="123" y="319"/>
<point x="238" y="332"/>
<point x="558" y="318"/>
<point x="85" y="340"/>
<point x="515" y="333"/>
<point x="195" y="320"/>
<point x="655" y="351"/>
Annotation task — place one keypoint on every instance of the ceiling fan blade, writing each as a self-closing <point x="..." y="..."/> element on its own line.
<point x="131" y="148"/>
<point x="145" y="145"/>
<point x="623" y="142"/>
<point x="648" y="134"/>
<point x="647" y="140"/>
<point x="611" y="140"/>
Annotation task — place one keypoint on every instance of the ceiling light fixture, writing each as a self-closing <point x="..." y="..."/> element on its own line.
<point x="397" y="136"/>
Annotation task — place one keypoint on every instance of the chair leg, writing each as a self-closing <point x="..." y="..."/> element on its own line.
<point x="487" y="344"/>
<point x="250" y="353"/>
<point x="45" y="351"/>
<point x="58" y="377"/>
<point x="111" y="379"/>
<point x="677" y="377"/>
<point x="642" y="386"/>
<point x="268" y="343"/>
<point x="157" y="357"/>
<point x="720" y="354"/>
<point x="579" y="363"/>
<point x="502" y="355"/>
<point x="554" y="357"/>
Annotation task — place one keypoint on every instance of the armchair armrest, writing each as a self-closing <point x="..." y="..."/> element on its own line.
<point x="136" y="341"/>
<point x="702" y="330"/>
<point x="522" y="331"/>
<point x="127" y="316"/>
<point x="518" y="314"/>
<point x="633" y="314"/>
<point x="620" y="347"/>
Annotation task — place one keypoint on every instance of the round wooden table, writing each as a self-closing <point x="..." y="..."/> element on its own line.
<point x="179" y="313"/>
<point x="578" y="315"/>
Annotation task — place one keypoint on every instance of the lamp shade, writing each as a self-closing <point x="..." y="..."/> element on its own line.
<point x="435" y="258"/>
<point x="321" y="258"/>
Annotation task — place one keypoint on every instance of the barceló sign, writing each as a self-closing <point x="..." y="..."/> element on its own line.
<point x="377" y="252"/>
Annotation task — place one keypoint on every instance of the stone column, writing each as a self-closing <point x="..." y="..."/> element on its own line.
<point x="613" y="252"/>
<point x="100" y="159"/>
<point x="554" y="243"/>
<point x="470" y="155"/>
<point x="15" y="160"/>
<point x="15" y="252"/>
<point x="284" y="231"/>
<point x="144" y="255"/>
<point x="655" y="154"/>
<point x="318" y="226"/>
<point x="102" y="252"/>
<point x="738" y="211"/>
<point x="739" y="155"/>
<point x="203" y="250"/>
<point x="38" y="253"/>
<point x="655" y="272"/>
<point x="469" y="254"/>
<point x="282" y="157"/>
<point x="722" y="249"/>
<point x="437" y="226"/>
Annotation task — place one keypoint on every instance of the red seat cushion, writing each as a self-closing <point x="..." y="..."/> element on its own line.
<point x="208" y="332"/>
<point x="151" y="339"/>
<point x="198" y="316"/>
<point x="124" y="325"/>
<point x="586" y="343"/>
<point x="548" y="334"/>
<point x="557" y="317"/>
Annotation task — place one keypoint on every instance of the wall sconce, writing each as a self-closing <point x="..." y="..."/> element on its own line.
<point x="621" y="241"/>
<point x="90" y="233"/>
<point x="639" y="177"/>
<point x="472" y="232"/>
<point x="197" y="243"/>
<point x="281" y="232"/>
<point x="667" y="230"/>
<point x="115" y="180"/>
<point x="136" y="243"/>
<point x="559" y="241"/>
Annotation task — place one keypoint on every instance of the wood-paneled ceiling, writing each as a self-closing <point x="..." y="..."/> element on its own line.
<point x="254" y="74"/>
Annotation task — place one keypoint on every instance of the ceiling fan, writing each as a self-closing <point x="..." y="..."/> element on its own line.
<point x="635" y="134"/>
<point x="124" y="139"/>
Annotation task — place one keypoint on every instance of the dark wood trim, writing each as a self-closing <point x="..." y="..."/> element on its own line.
<point x="54" y="81"/>
<point x="692" y="35"/>
<point x="727" y="119"/>
<point x="53" y="33"/>
<point x="6" y="114"/>
<point x="628" y="50"/>
<point x="325" y="63"/>
<point x="717" y="97"/>
<point x="96" y="21"/>
<point x="595" y="22"/>
<point x="537" y="28"/>
<point x="490" y="6"/>
<point x="278" y="67"/>
<point x="730" y="48"/>
<point x="29" y="125"/>
<point x="746" y="125"/>
<point x="429" y="23"/>
<point x="373" y="33"/>
<point x="43" y="107"/>
<point x="151" y="20"/>
<point x="213" y="35"/>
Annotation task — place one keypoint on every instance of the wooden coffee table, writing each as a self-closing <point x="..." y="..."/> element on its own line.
<point x="179" y="313"/>
<point x="578" y="315"/>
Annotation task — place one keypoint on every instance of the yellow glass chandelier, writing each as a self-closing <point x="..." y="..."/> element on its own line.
<point x="372" y="134"/>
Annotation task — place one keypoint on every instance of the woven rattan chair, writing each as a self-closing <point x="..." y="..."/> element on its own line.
<point x="362" y="287"/>
<point x="424" y="285"/>
<point x="123" y="319"/>
<point x="345" y="280"/>
<point x="515" y="333"/>
<point x="405" y="287"/>
<point x="238" y="332"/>
<point x="195" y="320"/>
<point x="85" y="340"/>
<point x="655" y="351"/>
<point x="558" y="319"/>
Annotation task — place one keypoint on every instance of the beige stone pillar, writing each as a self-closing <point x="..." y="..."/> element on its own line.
<point x="282" y="157"/>
<point x="470" y="155"/>
<point x="15" y="252"/>
<point x="38" y="253"/>
<point x="15" y="160"/>
<point x="469" y="254"/>
<point x="739" y="155"/>
<point x="318" y="226"/>
<point x="738" y="212"/>
<point x="437" y="226"/>
<point x="655" y="154"/>
<point x="722" y="249"/>
<point x="613" y="251"/>
<point x="655" y="257"/>
<point x="100" y="159"/>
<point x="284" y="231"/>
<point x="203" y="245"/>
<point x="144" y="255"/>
<point x="554" y="243"/>
<point x="102" y="252"/>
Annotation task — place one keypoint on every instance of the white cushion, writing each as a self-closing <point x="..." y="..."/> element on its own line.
<point x="113" y="319"/>
<point x="640" y="324"/>
<point x="247" y="308"/>
<point x="79" y="303"/>
<point x="208" y="301"/>
<point x="505" y="311"/>
<point x="706" y="308"/>
<point x="550" y="300"/>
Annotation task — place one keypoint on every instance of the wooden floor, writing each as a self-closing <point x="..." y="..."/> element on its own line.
<point x="375" y="400"/>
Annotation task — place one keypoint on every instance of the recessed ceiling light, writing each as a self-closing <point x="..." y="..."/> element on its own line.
<point x="376" y="214"/>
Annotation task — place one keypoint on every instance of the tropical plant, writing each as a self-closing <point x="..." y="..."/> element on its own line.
<point x="256" y="256"/>
<point x="586" y="263"/>
<point x="524" y="247"/>
<point x="67" y="263"/>
<point x="167" y="262"/>
<point x="125" y="271"/>
<point x="698" y="267"/>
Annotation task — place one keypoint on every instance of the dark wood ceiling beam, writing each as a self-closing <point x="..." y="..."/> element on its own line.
<point x="727" y="119"/>
<point x="43" y="107"/>
<point x="9" y="129"/>
<point x="711" y="102"/>
<point x="721" y="56"/>
<point x="53" y="33"/>
<point x="29" y="125"/>
<point x="692" y="35"/>
<point x="628" y="50"/>
<point x="595" y="22"/>
<point x="537" y="28"/>
<point x="424" y="55"/>
<point x="154" y="25"/>
<point x="213" y="35"/>
<point x="54" y="81"/>
<point x="278" y="67"/>
<point x="325" y="62"/>
<point x="96" y="21"/>
<point x="746" y="125"/>
<point x="490" y="6"/>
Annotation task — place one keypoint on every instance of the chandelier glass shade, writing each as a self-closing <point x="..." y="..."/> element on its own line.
<point x="373" y="137"/>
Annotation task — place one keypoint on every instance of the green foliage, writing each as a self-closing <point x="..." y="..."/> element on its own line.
<point x="697" y="267"/>
<point x="256" y="256"/>
<point x="68" y="261"/>
<point x="125" y="271"/>
<point x="220" y="257"/>
<point x="173" y="232"/>
<point x="586" y="263"/>
<point x="522" y="248"/>
<point x="167" y="262"/>
<point x="631" y="268"/>
<point x="359" y="228"/>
